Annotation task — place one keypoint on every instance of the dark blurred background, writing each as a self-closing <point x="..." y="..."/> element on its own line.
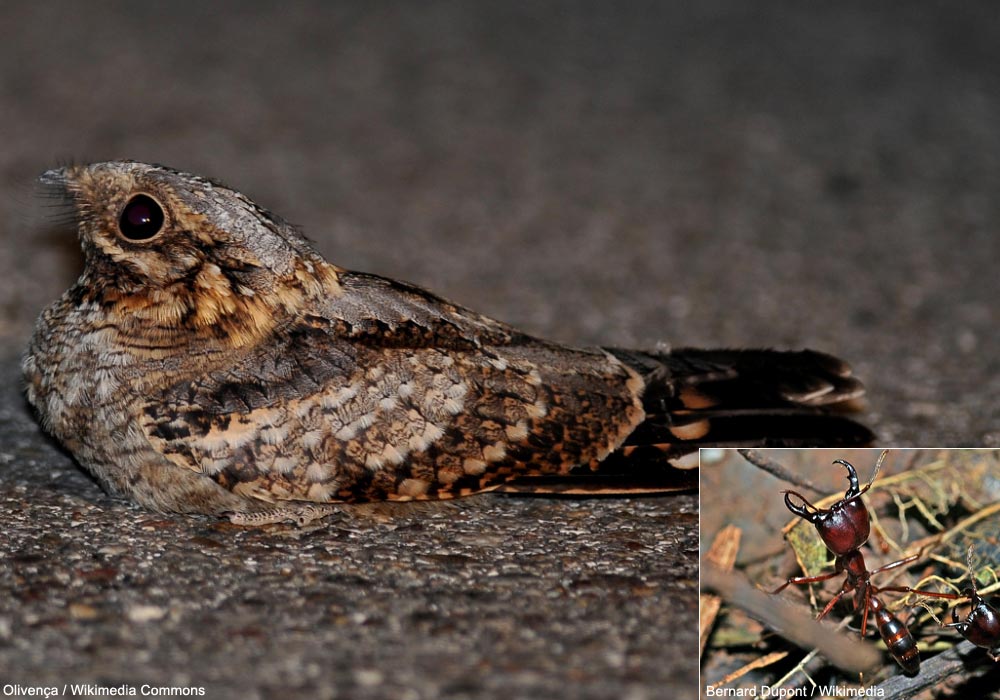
<point x="721" y="173"/>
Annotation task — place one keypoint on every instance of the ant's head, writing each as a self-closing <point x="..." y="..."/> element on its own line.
<point x="845" y="525"/>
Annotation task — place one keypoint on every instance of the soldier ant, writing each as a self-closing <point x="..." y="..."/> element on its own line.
<point x="844" y="527"/>
<point x="982" y="626"/>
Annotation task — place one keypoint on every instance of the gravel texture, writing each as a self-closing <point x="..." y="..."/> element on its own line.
<point x="784" y="174"/>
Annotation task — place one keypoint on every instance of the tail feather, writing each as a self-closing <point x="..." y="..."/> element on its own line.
<point x="717" y="398"/>
<point x="745" y="398"/>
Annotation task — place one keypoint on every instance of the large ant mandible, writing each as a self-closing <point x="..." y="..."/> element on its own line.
<point x="982" y="626"/>
<point x="844" y="527"/>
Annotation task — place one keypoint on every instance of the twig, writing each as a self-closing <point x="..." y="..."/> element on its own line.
<point x="722" y="553"/>
<point x="769" y="465"/>
<point x="841" y="650"/>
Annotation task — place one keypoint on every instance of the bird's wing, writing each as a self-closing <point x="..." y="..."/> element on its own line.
<point x="398" y="395"/>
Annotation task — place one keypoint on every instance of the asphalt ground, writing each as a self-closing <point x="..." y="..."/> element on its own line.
<point x="778" y="174"/>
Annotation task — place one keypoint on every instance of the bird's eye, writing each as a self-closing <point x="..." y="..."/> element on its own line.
<point x="141" y="219"/>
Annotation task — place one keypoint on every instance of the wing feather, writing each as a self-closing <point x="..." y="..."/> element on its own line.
<point x="400" y="404"/>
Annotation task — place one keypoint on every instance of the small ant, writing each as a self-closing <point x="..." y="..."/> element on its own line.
<point x="844" y="527"/>
<point x="982" y="626"/>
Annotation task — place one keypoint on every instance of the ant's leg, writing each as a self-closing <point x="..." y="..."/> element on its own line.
<point x="838" y="568"/>
<point x="907" y="589"/>
<point x="833" y="601"/>
<point x="895" y="564"/>
<point x="803" y="580"/>
<point x="868" y="607"/>
<point x="929" y="594"/>
<point x="848" y="586"/>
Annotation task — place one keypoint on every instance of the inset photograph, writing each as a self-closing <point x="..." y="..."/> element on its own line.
<point x="850" y="573"/>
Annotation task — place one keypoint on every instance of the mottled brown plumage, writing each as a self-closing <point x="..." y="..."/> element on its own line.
<point x="209" y="360"/>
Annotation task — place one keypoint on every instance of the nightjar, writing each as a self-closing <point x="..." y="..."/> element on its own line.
<point x="209" y="360"/>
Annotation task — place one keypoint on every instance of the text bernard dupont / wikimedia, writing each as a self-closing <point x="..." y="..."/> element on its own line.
<point x="817" y="691"/>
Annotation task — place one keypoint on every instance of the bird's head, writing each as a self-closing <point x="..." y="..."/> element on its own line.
<point x="183" y="252"/>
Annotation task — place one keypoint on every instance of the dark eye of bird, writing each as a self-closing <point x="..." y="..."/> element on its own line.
<point x="141" y="219"/>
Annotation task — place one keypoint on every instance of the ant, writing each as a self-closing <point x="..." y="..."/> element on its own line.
<point x="844" y="527"/>
<point x="982" y="626"/>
